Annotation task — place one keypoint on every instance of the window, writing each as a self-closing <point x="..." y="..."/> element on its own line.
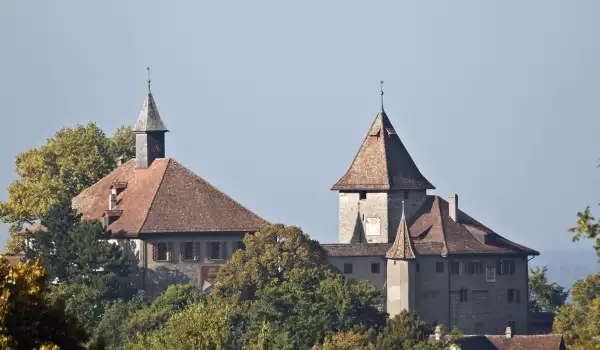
<point x="439" y="267"/>
<point x="505" y="267"/>
<point x="105" y="222"/>
<point x="161" y="251"/>
<point x="375" y="268"/>
<point x="490" y="274"/>
<point x="405" y="194"/>
<point x="347" y="268"/>
<point x="362" y="195"/>
<point x="455" y="268"/>
<point x="474" y="267"/>
<point x="188" y="251"/>
<point x="215" y="250"/>
<point x="513" y="295"/>
<point x="463" y="295"/>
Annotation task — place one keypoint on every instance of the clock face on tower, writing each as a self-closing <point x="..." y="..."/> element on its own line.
<point x="156" y="146"/>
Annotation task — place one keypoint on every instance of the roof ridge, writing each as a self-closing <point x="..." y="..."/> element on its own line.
<point x="162" y="177"/>
<point x="385" y="152"/>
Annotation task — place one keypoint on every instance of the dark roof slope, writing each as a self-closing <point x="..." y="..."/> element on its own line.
<point x="149" y="118"/>
<point x="516" y="342"/>
<point x="382" y="163"/>
<point x="434" y="232"/>
<point x="164" y="198"/>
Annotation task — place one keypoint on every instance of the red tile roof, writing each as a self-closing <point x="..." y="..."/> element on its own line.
<point x="434" y="232"/>
<point x="165" y="198"/>
<point x="516" y="342"/>
<point x="382" y="163"/>
<point x="402" y="247"/>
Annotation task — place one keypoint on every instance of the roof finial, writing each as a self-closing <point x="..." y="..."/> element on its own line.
<point x="149" y="81"/>
<point x="403" y="210"/>
<point x="381" y="91"/>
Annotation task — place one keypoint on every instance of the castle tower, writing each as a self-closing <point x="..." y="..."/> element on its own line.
<point x="149" y="133"/>
<point x="381" y="176"/>
<point x="401" y="272"/>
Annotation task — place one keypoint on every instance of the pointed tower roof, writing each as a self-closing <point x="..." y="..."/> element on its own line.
<point x="402" y="247"/>
<point x="149" y="119"/>
<point x="383" y="163"/>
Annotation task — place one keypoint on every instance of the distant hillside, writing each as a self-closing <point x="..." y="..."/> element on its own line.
<point x="567" y="266"/>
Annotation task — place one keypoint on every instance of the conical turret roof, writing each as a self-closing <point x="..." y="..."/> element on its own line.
<point x="383" y="163"/>
<point x="149" y="118"/>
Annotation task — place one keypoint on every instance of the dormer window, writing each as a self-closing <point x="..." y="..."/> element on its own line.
<point x="110" y="216"/>
<point x="118" y="187"/>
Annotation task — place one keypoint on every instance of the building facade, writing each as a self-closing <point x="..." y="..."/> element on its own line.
<point x="175" y="225"/>
<point x="425" y="253"/>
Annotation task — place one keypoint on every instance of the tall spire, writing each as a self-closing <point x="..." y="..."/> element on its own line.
<point x="149" y="81"/>
<point x="381" y="92"/>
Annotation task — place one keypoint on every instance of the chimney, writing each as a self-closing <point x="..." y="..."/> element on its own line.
<point x="438" y="332"/>
<point x="120" y="161"/>
<point x="508" y="332"/>
<point x="112" y="199"/>
<point x="453" y="206"/>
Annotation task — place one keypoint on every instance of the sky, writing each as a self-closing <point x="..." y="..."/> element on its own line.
<point x="496" y="101"/>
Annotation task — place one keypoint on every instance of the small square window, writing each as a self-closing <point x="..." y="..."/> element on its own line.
<point x="405" y="194"/>
<point x="463" y="295"/>
<point x="474" y="267"/>
<point x="455" y="268"/>
<point x="490" y="274"/>
<point x="215" y="251"/>
<point x="347" y="268"/>
<point x="362" y="195"/>
<point x="439" y="267"/>
<point x="161" y="251"/>
<point x="375" y="268"/>
<point x="188" y="251"/>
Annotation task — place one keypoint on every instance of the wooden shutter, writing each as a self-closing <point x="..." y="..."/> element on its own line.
<point x="196" y="250"/>
<point x="208" y="250"/>
<point x="223" y="250"/>
<point x="154" y="252"/>
<point x="170" y="251"/>
<point x="498" y="267"/>
<point x="182" y="251"/>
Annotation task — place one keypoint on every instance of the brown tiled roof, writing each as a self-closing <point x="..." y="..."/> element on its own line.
<point x="12" y="259"/>
<point x="434" y="232"/>
<point x="382" y="163"/>
<point x="165" y="198"/>
<point x="516" y="342"/>
<point x="357" y="249"/>
<point x="402" y="247"/>
<point x="31" y="229"/>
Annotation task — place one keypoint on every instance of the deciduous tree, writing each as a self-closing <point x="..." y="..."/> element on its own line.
<point x="544" y="296"/>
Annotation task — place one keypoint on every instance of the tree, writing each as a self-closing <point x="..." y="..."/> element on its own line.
<point x="28" y="320"/>
<point x="72" y="160"/>
<point x="404" y="331"/>
<point x="544" y="296"/>
<point x="587" y="227"/>
<point x="580" y="322"/>
<point x="348" y="341"/>
<point x="283" y="279"/>
<point x="122" y="143"/>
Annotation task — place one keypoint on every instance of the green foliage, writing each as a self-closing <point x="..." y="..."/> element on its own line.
<point x="30" y="320"/>
<point x="117" y="314"/>
<point x="580" y="322"/>
<point x="404" y="331"/>
<point x="348" y="341"/>
<point x="544" y="296"/>
<point x="122" y="143"/>
<point x="72" y="160"/>
<point x="587" y="227"/>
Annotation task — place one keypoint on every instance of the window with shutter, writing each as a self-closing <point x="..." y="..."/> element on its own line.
<point x="455" y="268"/>
<point x="499" y="267"/>
<point x="170" y="251"/>
<point x="463" y="295"/>
<point x="490" y="274"/>
<point x="215" y="250"/>
<point x="182" y="251"/>
<point x="160" y="252"/>
<point x="197" y="251"/>
<point x="208" y="251"/>
<point x="188" y="250"/>
<point x="154" y="252"/>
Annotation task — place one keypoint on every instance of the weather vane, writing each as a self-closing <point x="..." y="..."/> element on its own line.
<point x="149" y="81"/>
<point x="381" y="91"/>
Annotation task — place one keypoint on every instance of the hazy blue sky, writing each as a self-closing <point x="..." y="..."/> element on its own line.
<point x="497" y="101"/>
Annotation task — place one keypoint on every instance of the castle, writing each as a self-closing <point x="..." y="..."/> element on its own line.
<point x="423" y="251"/>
